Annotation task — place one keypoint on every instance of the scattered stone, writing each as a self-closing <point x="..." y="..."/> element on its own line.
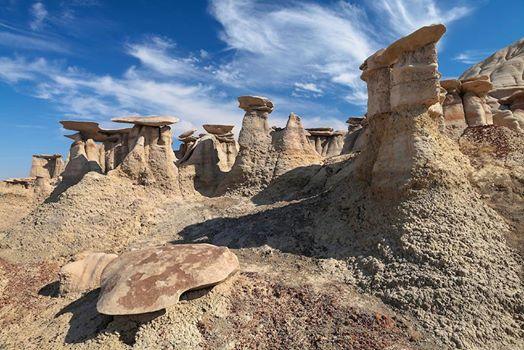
<point x="84" y="274"/>
<point x="152" y="279"/>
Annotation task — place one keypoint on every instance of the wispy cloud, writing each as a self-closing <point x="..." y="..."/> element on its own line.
<point x="472" y="56"/>
<point x="38" y="14"/>
<point x="405" y="16"/>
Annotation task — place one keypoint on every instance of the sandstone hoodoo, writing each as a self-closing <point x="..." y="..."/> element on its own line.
<point x="150" y="159"/>
<point x="48" y="166"/>
<point x="207" y="159"/>
<point x="154" y="278"/>
<point x="355" y="137"/>
<point x="326" y="142"/>
<point x="265" y="153"/>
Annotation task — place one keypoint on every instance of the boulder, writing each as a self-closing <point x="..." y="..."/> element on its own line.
<point x="154" y="278"/>
<point x="450" y="85"/>
<point x="83" y="274"/>
<point x="216" y="129"/>
<point x="479" y="87"/>
<point x="88" y="130"/>
<point x="153" y="120"/>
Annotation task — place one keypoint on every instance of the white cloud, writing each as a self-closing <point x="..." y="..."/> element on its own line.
<point x="471" y="56"/>
<point x="311" y="87"/>
<point x="404" y="16"/>
<point x="39" y="14"/>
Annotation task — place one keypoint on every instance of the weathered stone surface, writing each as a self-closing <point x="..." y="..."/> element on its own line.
<point x="405" y="73"/>
<point x="48" y="166"/>
<point x="479" y="87"/>
<point x="186" y="134"/>
<point x="88" y="130"/>
<point x="355" y="132"/>
<point x="513" y="121"/>
<point x="505" y="69"/>
<point x="474" y="109"/>
<point x="153" y="120"/>
<point x="84" y="274"/>
<point x="205" y="163"/>
<point x="255" y="103"/>
<point x="450" y="85"/>
<point x="152" y="279"/>
<point x="217" y="129"/>
<point x="514" y="101"/>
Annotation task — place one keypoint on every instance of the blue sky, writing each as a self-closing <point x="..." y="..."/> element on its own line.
<point x="89" y="59"/>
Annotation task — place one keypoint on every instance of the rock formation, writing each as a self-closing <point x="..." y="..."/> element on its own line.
<point x="512" y="114"/>
<point x="150" y="158"/>
<point x="48" y="166"/>
<point x="206" y="159"/>
<point x="326" y="142"/>
<point x="152" y="279"/>
<point x="355" y="136"/>
<point x="265" y="153"/>
<point x="85" y="154"/>
<point x="84" y="273"/>
<point x="505" y="69"/>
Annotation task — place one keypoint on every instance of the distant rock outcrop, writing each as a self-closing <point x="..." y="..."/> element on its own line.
<point x="327" y="143"/>
<point x="265" y="153"/>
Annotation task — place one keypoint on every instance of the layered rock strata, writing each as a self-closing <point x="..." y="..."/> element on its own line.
<point x="355" y="136"/>
<point x="48" y="166"/>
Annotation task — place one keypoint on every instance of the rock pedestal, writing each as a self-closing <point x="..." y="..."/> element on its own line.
<point x="265" y="153"/>
<point x="403" y="94"/>
<point x="327" y="143"/>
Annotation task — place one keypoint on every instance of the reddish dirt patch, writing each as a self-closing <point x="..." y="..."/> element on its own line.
<point x="269" y="315"/>
<point x="23" y="282"/>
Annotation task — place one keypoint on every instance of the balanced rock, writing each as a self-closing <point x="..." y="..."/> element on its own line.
<point x="186" y="134"/>
<point x="216" y="129"/>
<point x="152" y="279"/>
<point x="255" y="103"/>
<point x="153" y="120"/>
<point x="84" y="273"/>
<point x="88" y="130"/>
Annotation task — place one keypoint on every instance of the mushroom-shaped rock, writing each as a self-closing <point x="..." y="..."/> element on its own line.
<point x="255" y="103"/>
<point x="84" y="273"/>
<point x="153" y="120"/>
<point x="450" y="84"/>
<point x="152" y="279"/>
<point x="216" y="129"/>
<point x="479" y="87"/>
<point x="186" y="134"/>
<point x="88" y="130"/>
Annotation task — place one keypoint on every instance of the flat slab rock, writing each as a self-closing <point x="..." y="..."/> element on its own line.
<point x="153" y="120"/>
<point x="217" y="129"/>
<point x="152" y="279"/>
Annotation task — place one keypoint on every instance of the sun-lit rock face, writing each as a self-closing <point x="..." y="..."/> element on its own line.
<point x="403" y="87"/>
<point x="505" y="68"/>
<point x="152" y="279"/>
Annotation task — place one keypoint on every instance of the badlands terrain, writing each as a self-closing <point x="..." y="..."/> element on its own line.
<point x="405" y="231"/>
